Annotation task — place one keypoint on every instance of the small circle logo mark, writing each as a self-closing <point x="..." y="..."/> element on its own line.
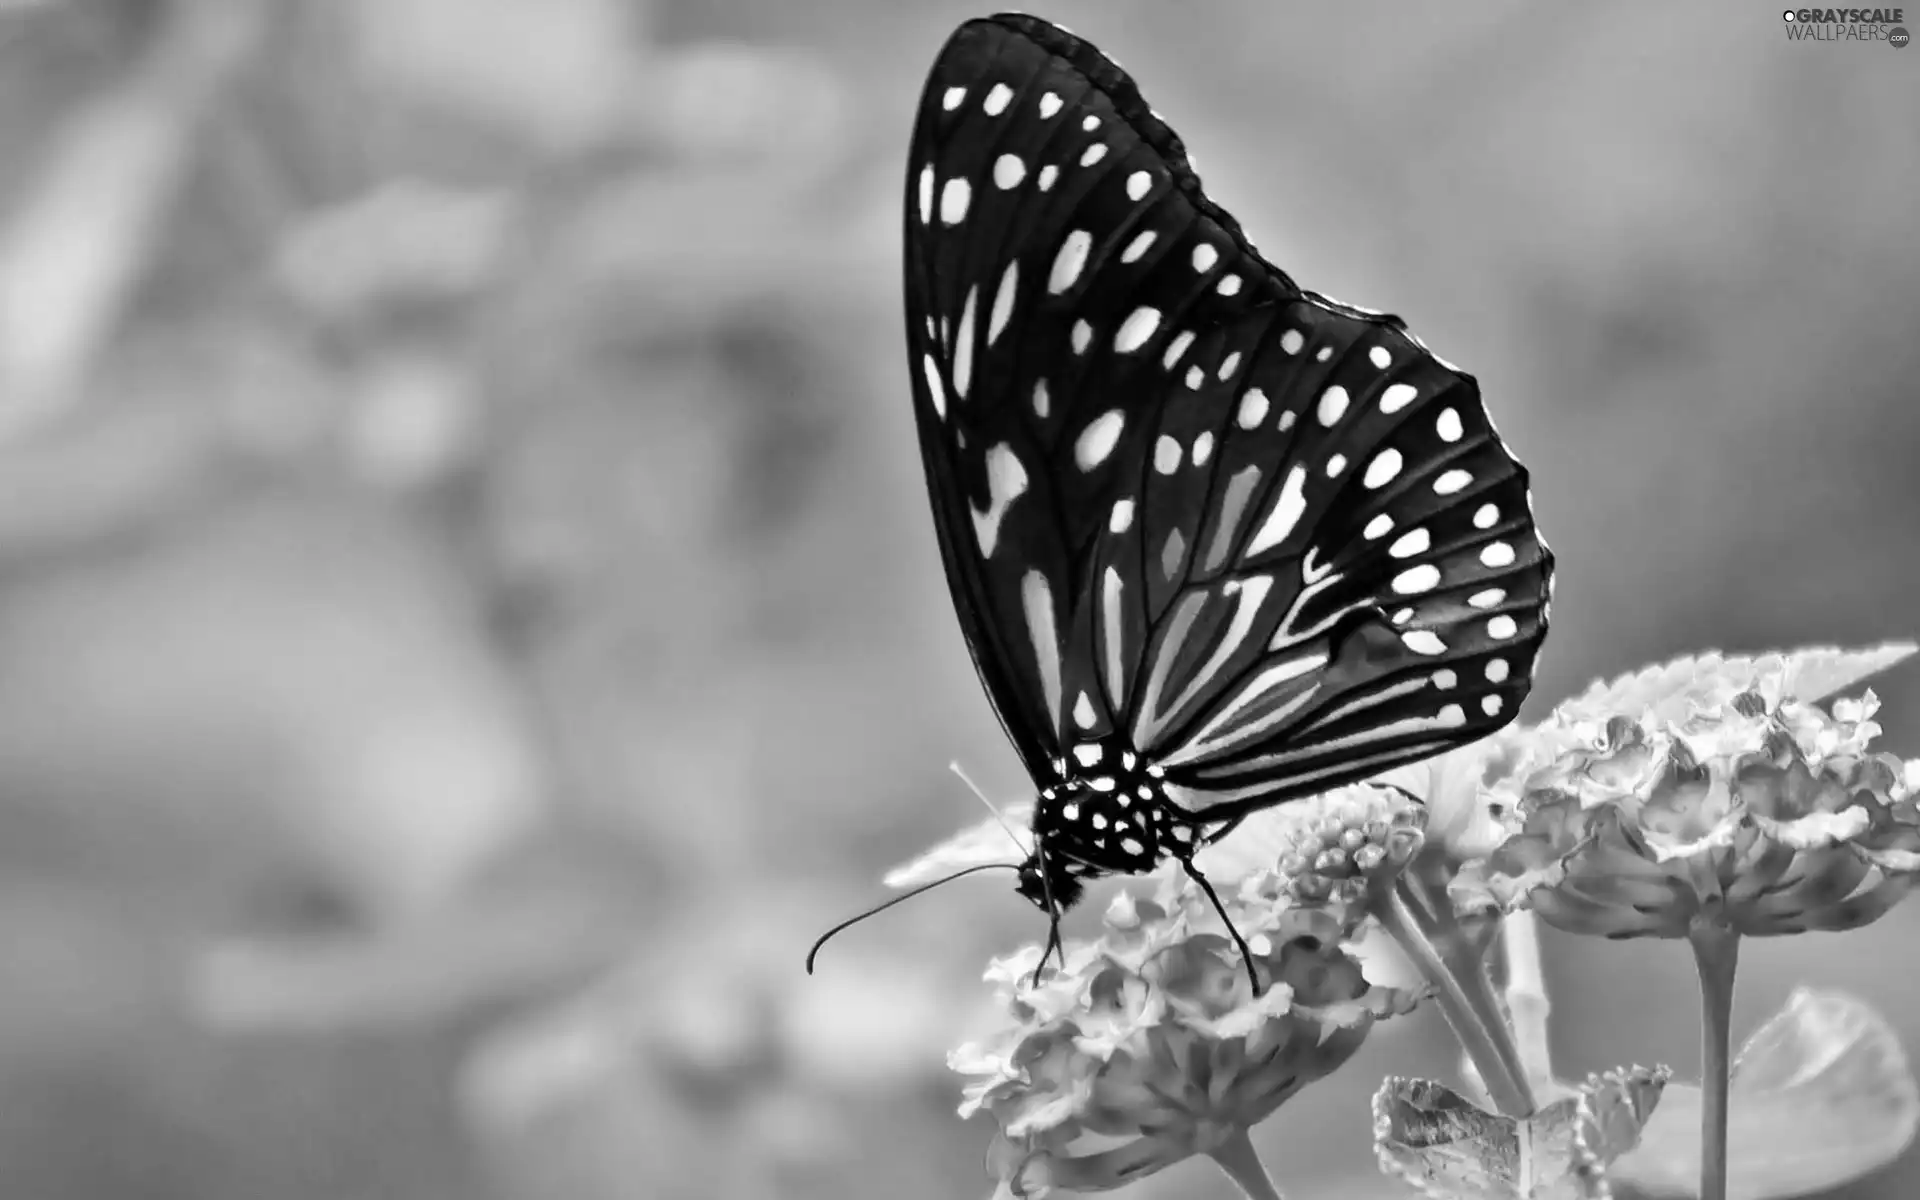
<point x="1787" y="15"/>
<point x="1898" y="37"/>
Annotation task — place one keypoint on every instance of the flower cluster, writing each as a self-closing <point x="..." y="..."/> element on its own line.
<point x="1731" y="803"/>
<point x="1708" y="798"/>
<point x="1149" y="1044"/>
<point x="1357" y="839"/>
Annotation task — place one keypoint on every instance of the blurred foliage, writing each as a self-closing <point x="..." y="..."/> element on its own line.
<point x="467" y="616"/>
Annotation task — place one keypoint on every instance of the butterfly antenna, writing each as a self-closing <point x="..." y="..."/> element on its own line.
<point x="999" y="816"/>
<point x="1246" y="955"/>
<point x="904" y="896"/>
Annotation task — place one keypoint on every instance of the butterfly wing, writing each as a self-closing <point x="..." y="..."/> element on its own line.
<point x="1258" y="533"/>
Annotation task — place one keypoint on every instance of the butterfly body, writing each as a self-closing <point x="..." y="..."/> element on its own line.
<point x="1215" y="542"/>
<point x="1109" y="813"/>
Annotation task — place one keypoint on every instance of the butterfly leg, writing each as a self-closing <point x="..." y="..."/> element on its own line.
<point x="1053" y="946"/>
<point x="1246" y="955"/>
<point x="1053" y="915"/>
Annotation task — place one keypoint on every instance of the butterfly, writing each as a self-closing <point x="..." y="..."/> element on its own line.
<point x="1215" y="542"/>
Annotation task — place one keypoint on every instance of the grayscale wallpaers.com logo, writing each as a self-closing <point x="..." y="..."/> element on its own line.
<point x="1848" y="25"/>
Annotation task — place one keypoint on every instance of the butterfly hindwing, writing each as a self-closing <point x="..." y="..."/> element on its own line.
<point x="1269" y="539"/>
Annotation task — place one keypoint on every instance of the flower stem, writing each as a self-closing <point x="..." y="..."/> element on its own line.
<point x="1241" y="1162"/>
<point x="1716" y="952"/>
<point x="1460" y="983"/>
<point x="1527" y="999"/>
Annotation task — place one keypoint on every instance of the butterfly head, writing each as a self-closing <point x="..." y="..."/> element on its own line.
<point x="1052" y="884"/>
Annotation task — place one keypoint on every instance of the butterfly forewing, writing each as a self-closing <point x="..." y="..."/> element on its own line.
<point x="1269" y="540"/>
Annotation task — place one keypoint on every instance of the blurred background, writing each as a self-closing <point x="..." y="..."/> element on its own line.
<point x="468" y="616"/>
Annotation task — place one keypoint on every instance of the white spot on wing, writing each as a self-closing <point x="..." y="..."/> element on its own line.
<point x="1081" y="336"/>
<point x="1176" y="348"/>
<point x="1091" y="123"/>
<point x="1036" y="604"/>
<point x="1253" y="408"/>
<point x="1336" y="464"/>
<point x="1502" y="627"/>
<point x="1423" y="641"/>
<point x="1006" y="481"/>
<point x="1204" y="256"/>
<point x="1397" y="397"/>
<point x="1383" y="468"/>
<point x="1228" y="285"/>
<point x="1414" y="580"/>
<point x="1008" y="171"/>
<point x="1041" y="401"/>
<point x="1094" y="154"/>
<point x="926" y="194"/>
<point x="1121" y="518"/>
<point x="1083" y="714"/>
<point x="1447" y="425"/>
<point x="1048" y="174"/>
<point x="1098" y="439"/>
<point x="953" y="201"/>
<point x="1088" y="754"/>
<point x="1488" y="598"/>
<point x="1113" y="615"/>
<point x="1195" y="377"/>
<point x="1067" y="263"/>
<point x="1166" y="455"/>
<point x="1136" y="329"/>
<point x="1138" y="185"/>
<point x="1379" y="527"/>
<point x="1291" y="341"/>
<point x="1229" y="365"/>
<point x="1490" y="705"/>
<point x="1202" y="449"/>
<point x="934" y="387"/>
<point x="1003" y="301"/>
<point x="1232" y="507"/>
<point x="1414" y="541"/>
<point x="1452" y="481"/>
<point x="1497" y="554"/>
<point x="1287" y="511"/>
<point x="963" y="347"/>
<point x="1379" y="357"/>
<point x="1486" y="516"/>
<point x="998" y="97"/>
<point x="1049" y="105"/>
<point x="1445" y="680"/>
<point x="1173" y="553"/>
<point x="1497" y="670"/>
<point x="951" y="100"/>
<point x="1138" y="246"/>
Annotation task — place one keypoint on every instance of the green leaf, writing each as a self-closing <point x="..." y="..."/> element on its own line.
<point x="1813" y="673"/>
<point x="1441" y="1143"/>
<point x="1821" y="1095"/>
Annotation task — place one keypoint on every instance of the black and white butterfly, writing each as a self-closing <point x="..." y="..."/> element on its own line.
<point x="1216" y="542"/>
